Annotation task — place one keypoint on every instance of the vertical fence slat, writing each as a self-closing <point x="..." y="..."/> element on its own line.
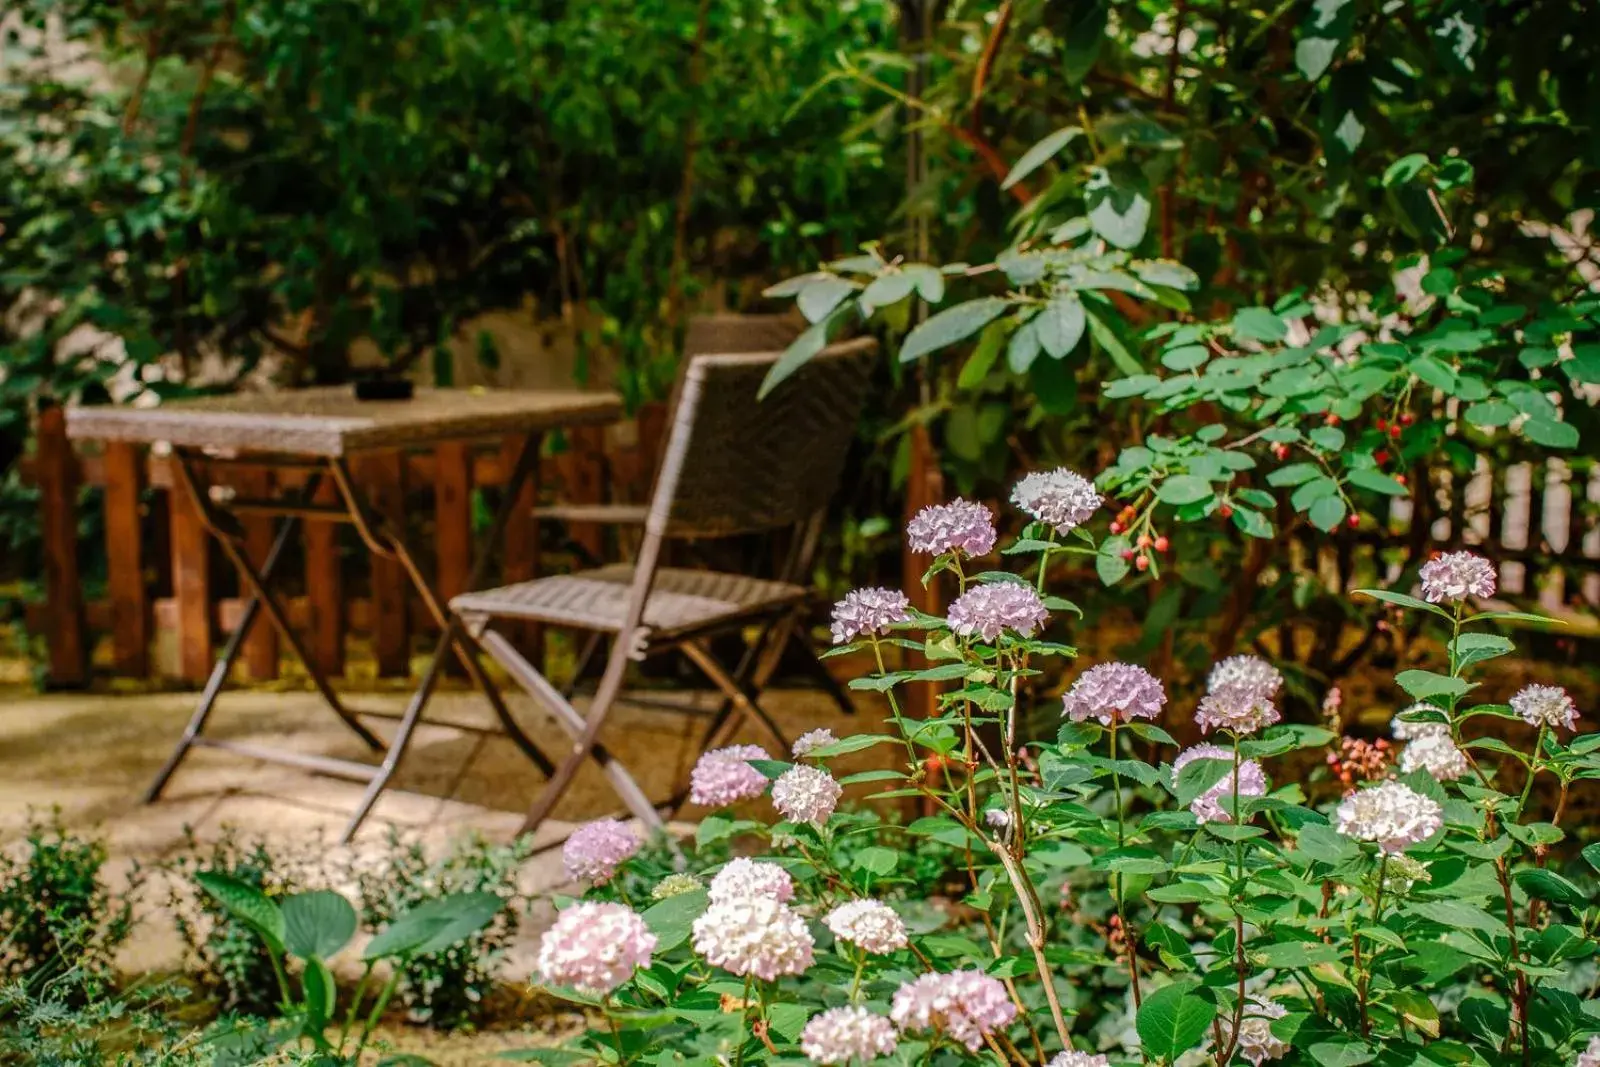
<point x="125" y="578"/>
<point x="261" y="646"/>
<point x="191" y="587"/>
<point x="325" y="589"/>
<point x="66" y="632"/>
<point x="452" y="524"/>
<point x="521" y="560"/>
<point x="384" y="474"/>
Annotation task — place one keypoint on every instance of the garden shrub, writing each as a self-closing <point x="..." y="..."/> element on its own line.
<point x="231" y="960"/>
<point x="447" y="989"/>
<point x="70" y="1023"/>
<point x="57" y="914"/>
<point x="1127" y="899"/>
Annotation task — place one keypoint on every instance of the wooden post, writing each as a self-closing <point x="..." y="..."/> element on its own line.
<point x="261" y="645"/>
<point x="924" y="486"/>
<point x="521" y="560"/>
<point x="66" y="631"/>
<point x="191" y="586"/>
<point x="452" y="525"/>
<point x="125" y="577"/>
<point x="583" y="482"/>
<point x="325" y="589"/>
<point x="384" y="473"/>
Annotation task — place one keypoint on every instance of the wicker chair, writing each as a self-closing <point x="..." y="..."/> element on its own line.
<point x="732" y="465"/>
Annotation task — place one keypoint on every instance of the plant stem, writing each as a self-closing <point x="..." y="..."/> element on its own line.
<point x="355" y="1005"/>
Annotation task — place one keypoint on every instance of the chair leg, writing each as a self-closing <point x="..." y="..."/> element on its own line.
<point x="591" y="645"/>
<point x="541" y="689"/>
<point x="742" y="698"/>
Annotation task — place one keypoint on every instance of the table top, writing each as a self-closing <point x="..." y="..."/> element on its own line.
<point x="330" y="421"/>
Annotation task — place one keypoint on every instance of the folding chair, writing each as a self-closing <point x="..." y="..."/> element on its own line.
<point x="732" y="465"/>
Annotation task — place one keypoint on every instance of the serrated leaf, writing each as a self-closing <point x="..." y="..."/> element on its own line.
<point x="1173" y="1020"/>
<point x="1425" y="684"/>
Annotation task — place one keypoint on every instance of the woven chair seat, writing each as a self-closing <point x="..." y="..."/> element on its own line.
<point x="681" y="601"/>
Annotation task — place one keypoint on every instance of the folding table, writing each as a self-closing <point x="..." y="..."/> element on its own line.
<point x="318" y="430"/>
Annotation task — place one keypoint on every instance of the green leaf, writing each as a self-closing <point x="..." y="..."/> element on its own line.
<point x="1327" y="513"/>
<point x="434" y="925"/>
<point x="1342" y="1052"/>
<point x="1404" y="600"/>
<point x="247" y="904"/>
<point x="878" y="860"/>
<point x="671" y="919"/>
<point x="1107" y="338"/>
<point x="1036" y="156"/>
<point x="1252" y="523"/>
<point x="316" y="982"/>
<point x="1024" y="347"/>
<point x="1550" y="433"/>
<point x="1476" y="648"/>
<point x="846" y="745"/>
<point x="1118" y="210"/>
<point x="885" y="289"/>
<point x="1198" y="776"/>
<point x="1060" y="325"/>
<point x="1376" y="481"/>
<point x="800" y="352"/>
<point x="1172" y="1020"/>
<point x="318" y="923"/>
<point x="1259" y="324"/>
<point x="818" y="300"/>
<point x="1548" y="885"/>
<point x="1425" y="684"/>
<point x="1183" y="489"/>
<point x="951" y="325"/>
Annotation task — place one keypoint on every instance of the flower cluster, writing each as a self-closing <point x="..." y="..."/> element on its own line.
<point x="812" y="740"/>
<point x="1239" y="696"/>
<point x="1257" y="1043"/>
<point x="1114" y="692"/>
<point x="1590" y="1057"/>
<point x="755" y="935"/>
<point x="840" y="1035"/>
<point x="724" y="776"/>
<point x="870" y="612"/>
<point x="594" y="947"/>
<point x="1060" y="498"/>
<point x="959" y="526"/>
<point x="674" y="885"/>
<point x="965" y="1005"/>
<point x="596" y="849"/>
<point x="1391" y="815"/>
<point x="1216" y="803"/>
<point x="1434" y="752"/>
<point x="806" y="794"/>
<point x="742" y="878"/>
<point x="870" y="925"/>
<point x="1074" y="1058"/>
<point x="1454" y="576"/>
<point x="987" y="610"/>
<point x="1545" y="705"/>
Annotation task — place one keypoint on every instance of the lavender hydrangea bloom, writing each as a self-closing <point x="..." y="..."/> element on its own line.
<point x="1391" y="815"/>
<point x="812" y="740"/>
<point x="1545" y="705"/>
<point x="966" y="1005"/>
<point x="1239" y="696"/>
<point x="987" y="610"/>
<point x="1251" y="672"/>
<point x="1114" y="692"/>
<point x="724" y="776"/>
<point x="868" y="611"/>
<point x="1589" y="1057"/>
<point x="594" y="947"/>
<point x="843" y="1035"/>
<point x="1454" y="576"/>
<point x="596" y="849"/>
<point x="1060" y="498"/>
<point x="806" y="794"/>
<point x="1257" y="1043"/>
<point x="1216" y="803"/>
<point x="957" y="526"/>
<point x="1074" y="1058"/>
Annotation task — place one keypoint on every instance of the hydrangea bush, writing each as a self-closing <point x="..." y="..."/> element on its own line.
<point x="1124" y="899"/>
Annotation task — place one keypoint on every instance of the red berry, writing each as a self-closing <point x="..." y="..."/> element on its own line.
<point x="1383" y="424"/>
<point x="1144" y="541"/>
<point x="1162" y="544"/>
<point x="1381" y="456"/>
<point x="1116" y="527"/>
<point x="1143" y="563"/>
<point x="1394" y="432"/>
<point x="1226" y="511"/>
<point x="1127" y="553"/>
<point x="1407" y="419"/>
<point x="1330" y="419"/>
<point x="1354" y="521"/>
<point x="1401" y="478"/>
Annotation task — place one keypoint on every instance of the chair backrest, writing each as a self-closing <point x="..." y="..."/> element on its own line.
<point x="734" y="464"/>
<point x="727" y="332"/>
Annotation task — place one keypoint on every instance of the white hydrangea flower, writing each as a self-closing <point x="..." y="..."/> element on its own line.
<point x="851" y="1033"/>
<point x="1435" y="753"/>
<point x="1074" y="1058"/>
<point x="1256" y="1040"/>
<point x="868" y="924"/>
<point x="812" y="740"/>
<point x="1402" y="730"/>
<point x="1060" y="498"/>
<point x="1391" y="815"/>
<point x="806" y="794"/>
<point x="1589" y="1057"/>
<point x="1545" y="705"/>
<point x="756" y="936"/>
<point x="742" y="878"/>
<point x="1454" y="576"/>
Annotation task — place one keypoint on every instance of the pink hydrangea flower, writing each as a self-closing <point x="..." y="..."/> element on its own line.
<point x="868" y="924"/>
<point x="812" y="740"/>
<point x="868" y="611"/>
<point x="742" y="878"/>
<point x="596" y="849"/>
<point x="757" y="936"/>
<point x="957" y="526"/>
<point x="1454" y="576"/>
<point x="1060" y="498"/>
<point x="843" y="1035"/>
<point x="986" y="610"/>
<point x="1589" y="1057"/>
<point x="594" y="947"/>
<point x="806" y="794"/>
<point x="1391" y="815"/>
<point x="1114" y="692"/>
<point x="1545" y="705"/>
<point x="1216" y="803"/>
<point x="724" y="776"/>
<point x="1074" y="1058"/>
<point x="1252" y="672"/>
<point x="965" y="1005"/>
<point x="1239" y="696"/>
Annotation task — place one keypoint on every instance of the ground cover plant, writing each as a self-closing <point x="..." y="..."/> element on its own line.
<point x="1425" y="914"/>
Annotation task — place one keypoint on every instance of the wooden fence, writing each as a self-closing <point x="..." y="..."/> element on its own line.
<point x="163" y="574"/>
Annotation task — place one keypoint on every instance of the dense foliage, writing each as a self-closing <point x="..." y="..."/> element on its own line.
<point x="1126" y="900"/>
